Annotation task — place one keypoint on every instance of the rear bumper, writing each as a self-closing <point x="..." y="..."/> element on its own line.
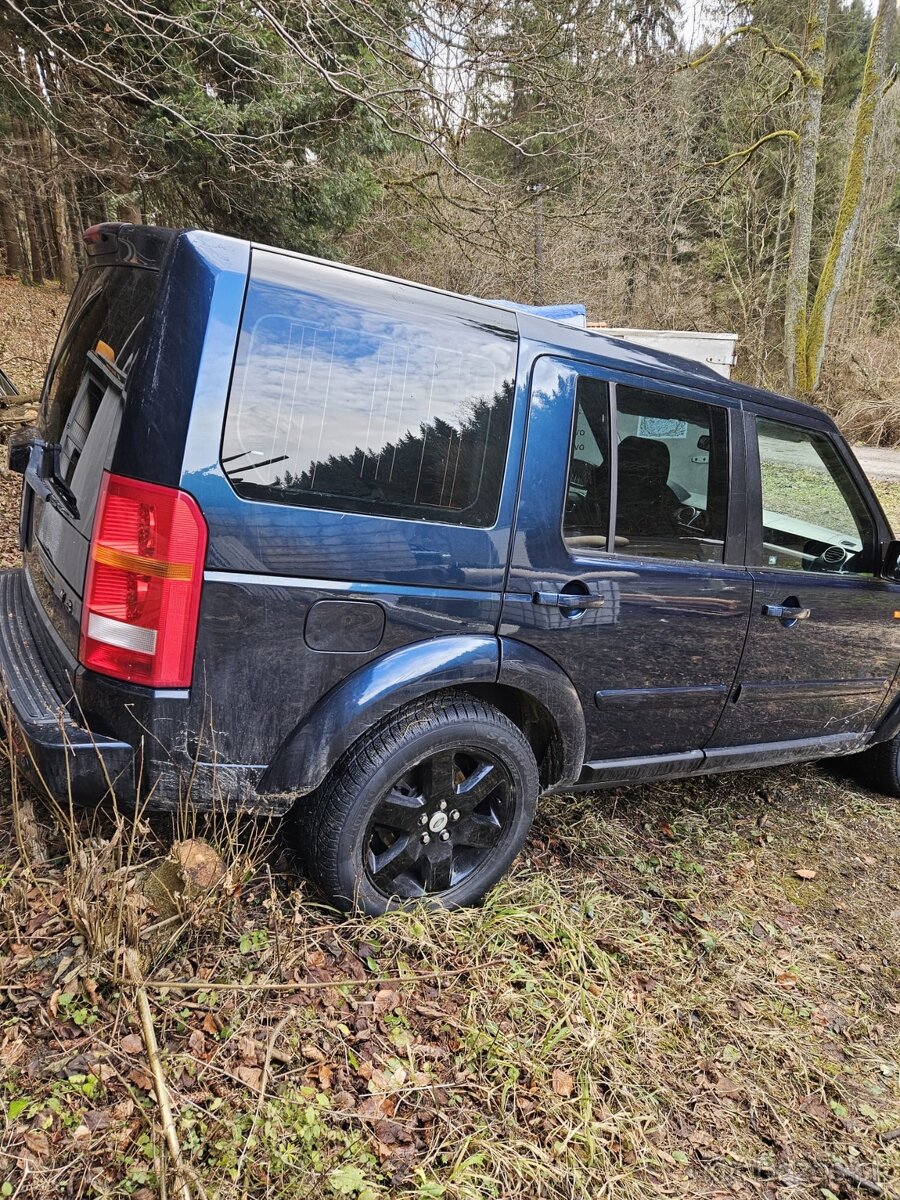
<point x="51" y="747"/>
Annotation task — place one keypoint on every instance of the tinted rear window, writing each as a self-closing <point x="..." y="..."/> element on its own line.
<point x="99" y="340"/>
<point x="364" y="395"/>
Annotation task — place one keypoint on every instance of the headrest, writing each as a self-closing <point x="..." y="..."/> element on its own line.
<point x="646" y="456"/>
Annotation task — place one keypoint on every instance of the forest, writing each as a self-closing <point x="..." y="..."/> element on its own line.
<point x="672" y="164"/>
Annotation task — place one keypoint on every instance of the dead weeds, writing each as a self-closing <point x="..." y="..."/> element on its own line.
<point x="654" y="1004"/>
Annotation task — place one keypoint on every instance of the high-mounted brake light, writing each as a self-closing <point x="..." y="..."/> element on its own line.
<point x="143" y="585"/>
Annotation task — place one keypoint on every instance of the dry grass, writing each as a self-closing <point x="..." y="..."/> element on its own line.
<point x="861" y="386"/>
<point x="654" y="1004"/>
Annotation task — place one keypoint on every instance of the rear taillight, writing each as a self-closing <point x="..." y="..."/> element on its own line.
<point x="144" y="578"/>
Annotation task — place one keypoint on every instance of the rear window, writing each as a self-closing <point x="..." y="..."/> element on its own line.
<point x="364" y="395"/>
<point x="100" y="337"/>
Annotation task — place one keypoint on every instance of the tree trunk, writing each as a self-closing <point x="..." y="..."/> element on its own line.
<point x="847" y="223"/>
<point x="39" y="170"/>
<point x="62" y="234"/>
<point x="34" y="244"/>
<point x="797" y="287"/>
<point x="9" y="230"/>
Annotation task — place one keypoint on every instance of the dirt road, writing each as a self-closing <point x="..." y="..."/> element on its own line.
<point x="879" y="463"/>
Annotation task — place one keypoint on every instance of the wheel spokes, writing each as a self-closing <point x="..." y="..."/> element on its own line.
<point x="477" y="831"/>
<point x="438" y="863"/>
<point x="439" y="777"/>
<point x="400" y="811"/>
<point x="477" y="786"/>
<point x="438" y="823"/>
<point x="398" y="859"/>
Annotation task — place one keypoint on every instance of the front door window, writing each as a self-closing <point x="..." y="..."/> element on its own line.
<point x="813" y="516"/>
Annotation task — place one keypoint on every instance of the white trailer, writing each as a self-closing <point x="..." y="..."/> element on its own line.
<point x="716" y="350"/>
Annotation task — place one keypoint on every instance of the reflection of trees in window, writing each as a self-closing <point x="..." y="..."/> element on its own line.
<point x="441" y="470"/>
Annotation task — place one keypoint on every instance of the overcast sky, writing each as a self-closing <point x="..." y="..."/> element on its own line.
<point x="703" y="17"/>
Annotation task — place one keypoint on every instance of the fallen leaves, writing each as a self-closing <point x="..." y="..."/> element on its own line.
<point x="562" y="1082"/>
<point x="132" y="1043"/>
<point x="251" y="1076"/>
<point x="386" y="1000"/>
<point x="805" y="873"/>
<point x="37" y="1142"/>
<point x="141" y="1079"/>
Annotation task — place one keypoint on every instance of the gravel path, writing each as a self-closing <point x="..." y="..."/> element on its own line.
<point x="879" y="463"/>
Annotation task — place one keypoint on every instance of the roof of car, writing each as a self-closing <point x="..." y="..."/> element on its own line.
<point x="617" y="353"/>
<point x="611" y="352"/>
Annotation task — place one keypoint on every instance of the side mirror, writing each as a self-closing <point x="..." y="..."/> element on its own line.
<point x="890" y="563"/>
<point x="20" y="443"/>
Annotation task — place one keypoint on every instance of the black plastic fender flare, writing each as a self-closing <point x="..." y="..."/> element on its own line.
<point x="386" y="684"/>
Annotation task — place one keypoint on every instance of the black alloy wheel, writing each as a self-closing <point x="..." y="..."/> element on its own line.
<point x="438" y="823"/>
<point x="431" y="805"/>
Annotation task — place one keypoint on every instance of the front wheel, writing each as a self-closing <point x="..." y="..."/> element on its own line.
<point x="879" y="766"/>
<point x="433" y="804"/>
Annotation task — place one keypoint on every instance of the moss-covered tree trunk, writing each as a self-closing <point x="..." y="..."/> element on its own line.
<point x="847" y="223"/>
<point x="797" y="286"/>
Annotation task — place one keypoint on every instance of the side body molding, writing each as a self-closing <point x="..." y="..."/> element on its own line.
<point x="372" y="692"/>
<point x="529" y="670"/>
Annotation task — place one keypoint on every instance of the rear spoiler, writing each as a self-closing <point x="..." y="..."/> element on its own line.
<point x="118" y="244"/>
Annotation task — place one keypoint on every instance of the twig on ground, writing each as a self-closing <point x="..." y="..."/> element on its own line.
<point x="133" y="964"/>
<point x="860" y="1181"/>
<point x="891" y="1135"/>
<point x="263" y="985"/>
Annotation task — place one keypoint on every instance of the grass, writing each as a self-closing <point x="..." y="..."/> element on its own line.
<point x="889" y="495"/>
<point x="807" y="494"/>
<point x="654" y="1004"/>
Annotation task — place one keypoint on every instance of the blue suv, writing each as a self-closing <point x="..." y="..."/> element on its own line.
<point x="310" y="542"/>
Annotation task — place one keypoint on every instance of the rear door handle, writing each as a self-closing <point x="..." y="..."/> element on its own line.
<point x="786" y="612"/>
<point x="569" y="600"/>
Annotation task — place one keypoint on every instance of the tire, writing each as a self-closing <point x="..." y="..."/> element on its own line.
<point x="430" y="805"/>
<point x="879" y="767"/>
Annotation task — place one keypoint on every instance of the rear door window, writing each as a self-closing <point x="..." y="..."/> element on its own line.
<point x="364" y="395"/>
<point x="586" y="520"/>
<point x="672" y="496"/>
<point x="99" y="340"/>
<point x="671" y="458"/>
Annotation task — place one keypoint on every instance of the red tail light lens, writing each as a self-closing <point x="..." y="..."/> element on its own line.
<point x="143" y="585"/>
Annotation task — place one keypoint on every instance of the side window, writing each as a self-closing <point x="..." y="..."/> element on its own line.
<point x="369" y="396"/>
<point x="814" y="517"/>
<point x="586" y="519"/>
<point x="672" y="494"/>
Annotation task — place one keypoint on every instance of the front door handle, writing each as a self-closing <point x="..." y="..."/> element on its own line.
<point x="786" y="612"/>
<point x="569" y="600"/>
